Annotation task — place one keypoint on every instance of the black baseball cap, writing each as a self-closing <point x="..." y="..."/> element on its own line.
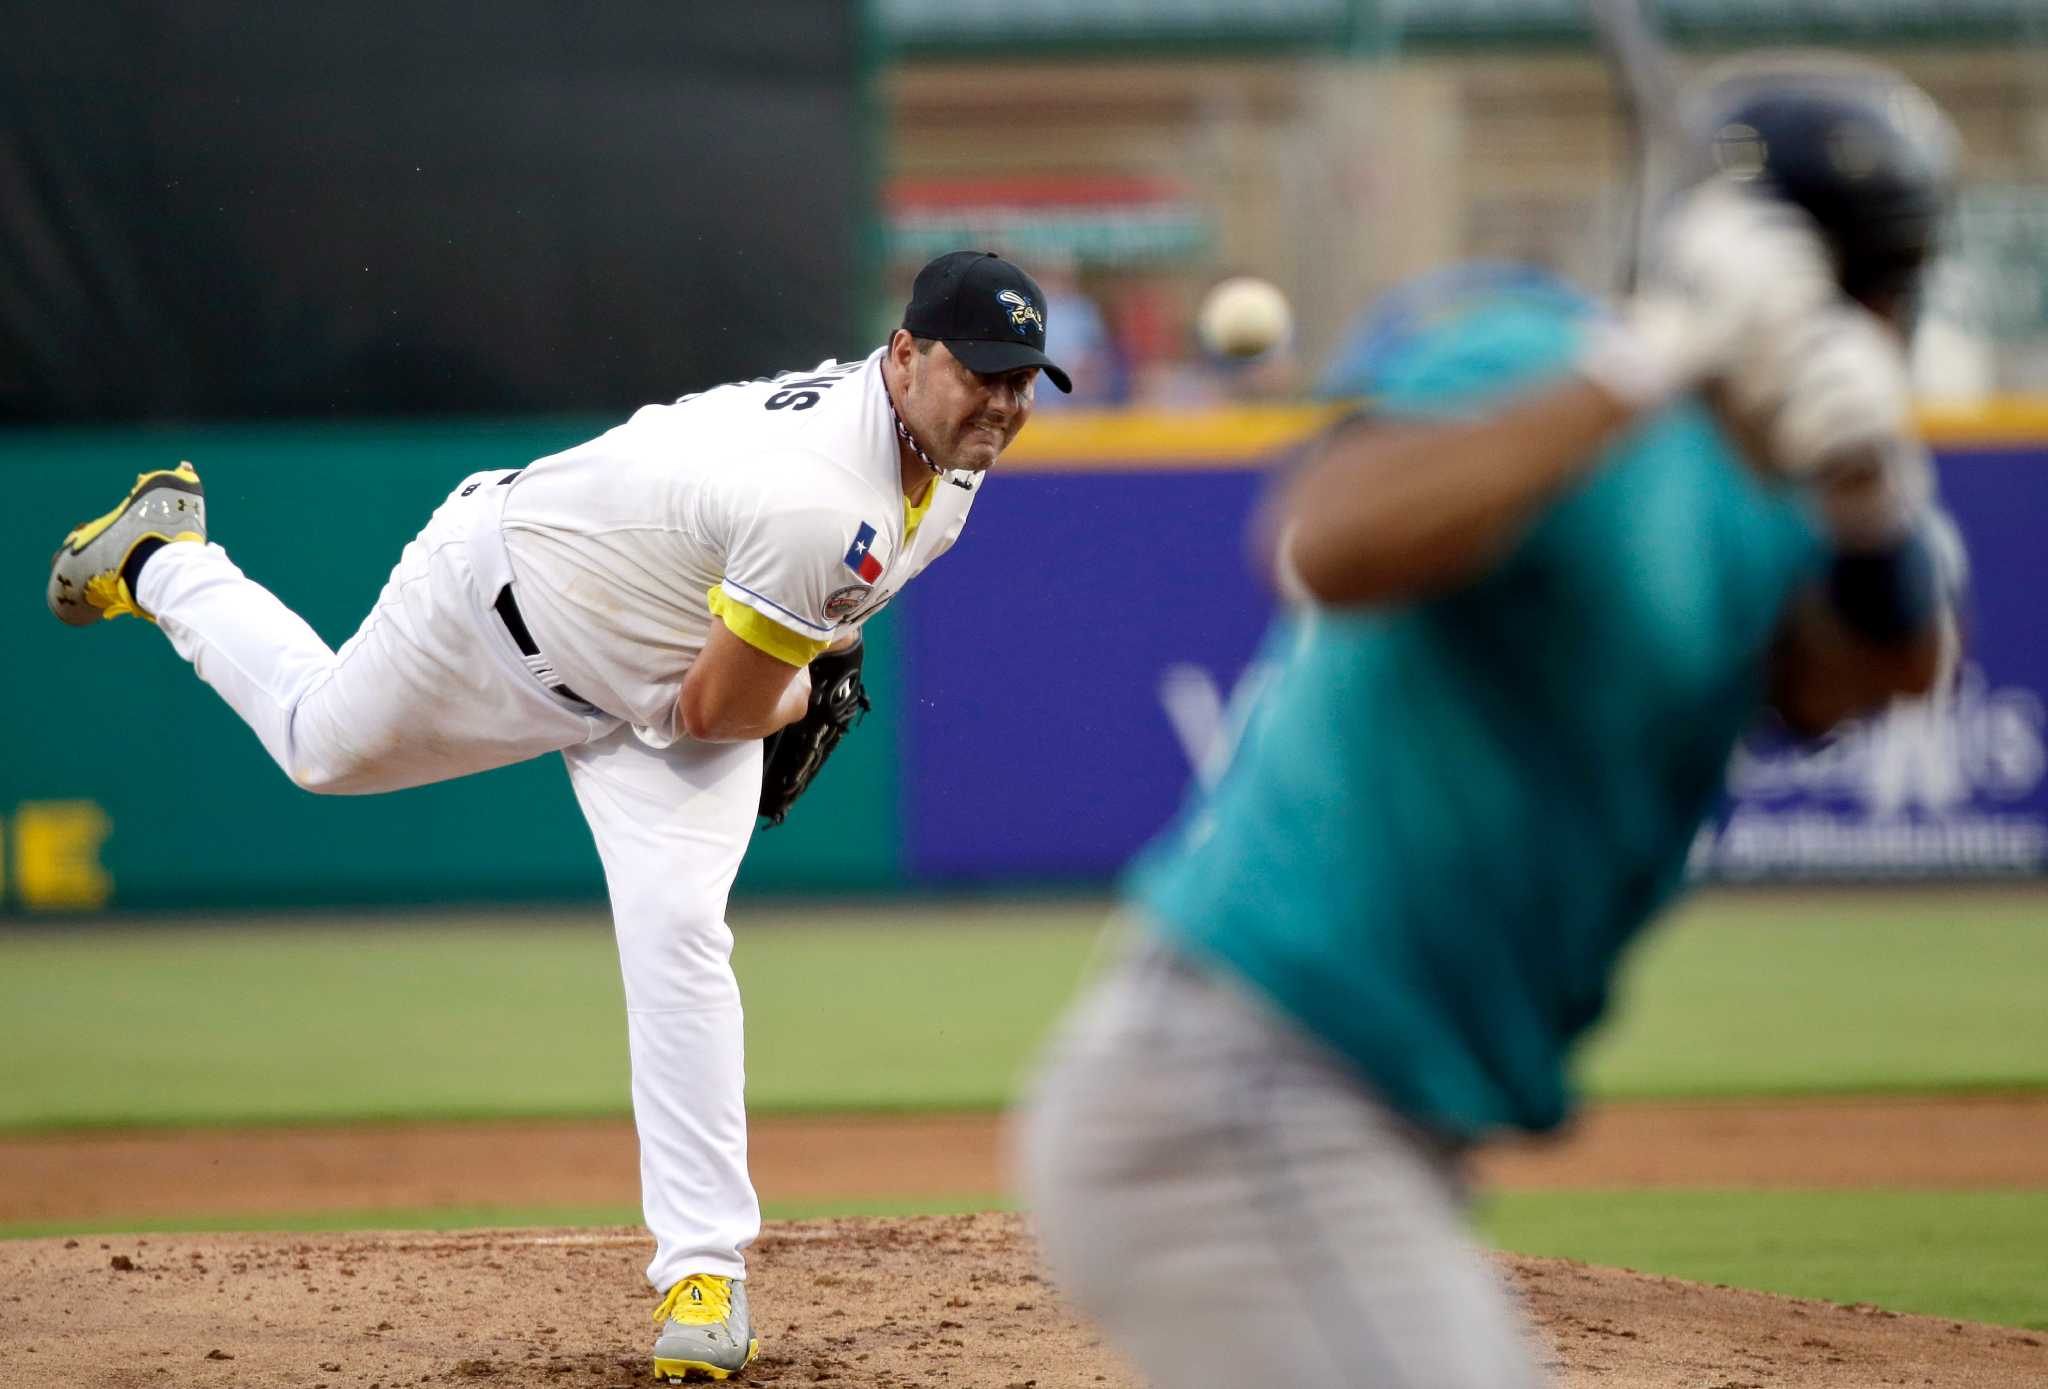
<point x="990" y="314"/>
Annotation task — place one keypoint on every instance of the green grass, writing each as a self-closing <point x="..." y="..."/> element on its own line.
<point x="919" y="1006"/>
<point x="382" y="1218"/>
<point x="1902" y="990"/>
<point x="477" y="1218"/>
<point x="339" y="1018"/>
<point x="1968" y="1255"/>
<point x="939" y="1005"/>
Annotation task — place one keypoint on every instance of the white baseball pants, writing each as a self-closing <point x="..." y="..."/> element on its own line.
<point x="433" y="686"/>
<point x="1233" y="1207"/>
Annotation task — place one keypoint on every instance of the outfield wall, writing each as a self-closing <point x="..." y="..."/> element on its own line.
<point x="1041" y="699"/>
<point x="1106" y="609"/>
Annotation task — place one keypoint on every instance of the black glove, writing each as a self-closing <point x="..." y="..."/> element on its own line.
<point x="791" y="756"/>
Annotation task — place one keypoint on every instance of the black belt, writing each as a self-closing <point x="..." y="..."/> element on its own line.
<point x="508" y="613"/>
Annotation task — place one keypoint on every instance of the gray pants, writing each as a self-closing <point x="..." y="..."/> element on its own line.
<point x="1234" y="1208"/>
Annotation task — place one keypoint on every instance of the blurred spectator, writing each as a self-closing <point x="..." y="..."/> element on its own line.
<point x="1077" y="335"/>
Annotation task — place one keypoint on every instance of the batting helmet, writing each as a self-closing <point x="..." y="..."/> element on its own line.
<point x="1867" y="154"/>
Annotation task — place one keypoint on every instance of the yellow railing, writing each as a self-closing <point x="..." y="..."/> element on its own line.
<point x="1232" y="437"/>
<point x="1221" y="438"/>
<point x="2007" y="420"/>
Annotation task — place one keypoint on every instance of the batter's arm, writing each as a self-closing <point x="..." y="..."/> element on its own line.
<point x="1385" y="515"/>
<point x="1388" y="512"/>
<point x="734" y="692"/>
<point x="1884" y="622"/>
<point x="1823" y="671"/>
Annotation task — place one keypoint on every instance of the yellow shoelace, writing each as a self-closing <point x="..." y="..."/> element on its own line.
<point x="699" y="1300"/>
<point x="109" y="593"/>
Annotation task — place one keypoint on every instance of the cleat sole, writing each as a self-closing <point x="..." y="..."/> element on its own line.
<point x="679" y="1371"/>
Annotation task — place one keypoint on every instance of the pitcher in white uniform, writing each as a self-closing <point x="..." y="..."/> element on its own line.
<point x="646" y="604"/>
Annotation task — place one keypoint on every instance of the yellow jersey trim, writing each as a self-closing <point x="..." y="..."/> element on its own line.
<point x="913" y="516"/>
<point x="762" y="633"/>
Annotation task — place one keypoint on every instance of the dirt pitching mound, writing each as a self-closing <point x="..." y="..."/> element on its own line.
<point x="951" y="1302"/>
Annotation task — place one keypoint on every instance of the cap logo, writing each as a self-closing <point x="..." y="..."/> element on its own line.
<point x="1023" y="313"/>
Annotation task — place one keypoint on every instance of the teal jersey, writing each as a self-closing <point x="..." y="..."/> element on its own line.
<point x="1446" y="821"/>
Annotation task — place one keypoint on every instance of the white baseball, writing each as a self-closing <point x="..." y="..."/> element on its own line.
<point x="1244" y="317"/>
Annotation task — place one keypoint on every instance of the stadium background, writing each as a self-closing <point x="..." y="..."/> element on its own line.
<point x="339" y="265"/>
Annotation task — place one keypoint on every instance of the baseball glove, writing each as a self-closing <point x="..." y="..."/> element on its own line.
<point x="791" y="756"/>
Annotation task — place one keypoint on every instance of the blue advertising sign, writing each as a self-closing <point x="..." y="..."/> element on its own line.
<point x="1087" y="632"/>
<point x="1089" y="651"/>
<point x="1952" y="787"/>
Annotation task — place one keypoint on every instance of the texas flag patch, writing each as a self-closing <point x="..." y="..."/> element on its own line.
<point x="861" y="558"/>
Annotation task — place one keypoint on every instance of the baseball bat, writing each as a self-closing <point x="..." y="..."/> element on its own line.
<point x="1646" y="79"/>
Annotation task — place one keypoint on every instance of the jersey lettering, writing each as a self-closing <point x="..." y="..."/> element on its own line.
<point x="796" y="390"/>
<point x="801" y="393"/>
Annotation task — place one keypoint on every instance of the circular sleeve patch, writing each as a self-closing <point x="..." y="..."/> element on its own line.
<point x="844" y="602"/>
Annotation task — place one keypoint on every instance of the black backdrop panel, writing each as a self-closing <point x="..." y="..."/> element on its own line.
<point x="213" y="209"/>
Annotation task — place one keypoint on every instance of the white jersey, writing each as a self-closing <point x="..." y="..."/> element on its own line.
<point x="774" y="506"/>
<point x="775" y="503"/>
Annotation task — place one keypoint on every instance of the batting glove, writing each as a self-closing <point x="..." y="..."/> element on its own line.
<point x="1728" y="268"/>
<point x="1830" y="390"/>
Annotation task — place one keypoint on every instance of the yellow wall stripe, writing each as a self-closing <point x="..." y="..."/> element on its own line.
<point x="2009" y="421"/>
<point x="1239" y="436"/>
<point x="1095" y="439"/>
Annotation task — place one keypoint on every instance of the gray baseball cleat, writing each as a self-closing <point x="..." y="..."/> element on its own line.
<point x="92" y="573"/>
<point x="704" y="1329"/>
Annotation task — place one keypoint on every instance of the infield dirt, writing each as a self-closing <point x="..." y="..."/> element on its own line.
<point x="938" y="1302"/>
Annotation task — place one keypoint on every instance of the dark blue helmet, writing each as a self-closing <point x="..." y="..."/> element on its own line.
<point x="1867" y="154"/>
